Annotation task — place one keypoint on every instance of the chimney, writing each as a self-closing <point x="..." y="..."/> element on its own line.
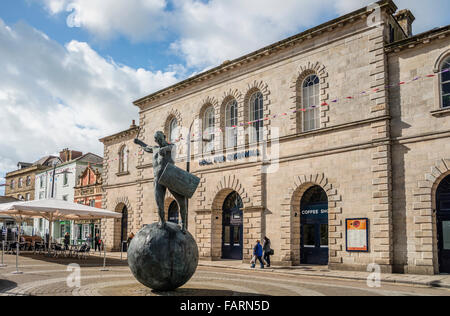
<point x="405" y="18"/>
<point x="68" y="155"/>
<point x="133" y="124"/>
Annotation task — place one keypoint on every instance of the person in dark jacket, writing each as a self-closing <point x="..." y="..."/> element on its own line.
<point x="257" y="254"/>
<point x="66" y="241"/>
<point x="267" y="250"/>
<point x="97" y="243"/>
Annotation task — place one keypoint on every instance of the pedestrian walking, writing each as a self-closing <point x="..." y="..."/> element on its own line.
<point x="267" y="250"/>
<point x="97" y="243"/>
<point x="257" y="254"/>
<point x="130" y="238"/>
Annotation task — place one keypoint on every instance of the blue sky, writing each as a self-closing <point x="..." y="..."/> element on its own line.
<point x="70" y="69"/>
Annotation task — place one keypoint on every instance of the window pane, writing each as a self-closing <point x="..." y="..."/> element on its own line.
<point x="310" y="102"/>
<point x="227" y="235"/>
<point x="173" y="131"/>
<point x="446" y="88"/>
<point x="446" y="234"/>
<point x="231" y="120"/>
<point x="308" y="235"/>
<point x="256" y="114"/>
<point x="236" y="236"/>
<point x="446" y="101"/>
<point x="323" y="235"/>
<point x="208" y="130"/>
<point x="446" y="76"/>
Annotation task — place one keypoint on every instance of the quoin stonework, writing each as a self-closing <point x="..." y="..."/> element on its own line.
<point x="348" y="120"/>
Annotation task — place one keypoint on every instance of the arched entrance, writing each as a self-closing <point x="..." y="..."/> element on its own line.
<point x="443" y="224"/>
<point x="124" y="228"/>
<point x="314" y="227"/>
<point x="232" y="227"/>
<point x="173" y="213"/>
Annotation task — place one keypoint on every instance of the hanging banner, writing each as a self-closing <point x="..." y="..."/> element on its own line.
<point x="357" y="235"/>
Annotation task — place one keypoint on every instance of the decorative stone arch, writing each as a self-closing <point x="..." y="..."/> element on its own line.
<point x="209" y="220"/>
<point x="256" y="86"/>
<point x="443" y="56"/>
<point x="120" y="203"/>
<point x="232" y="94"/>
<point x="290" y="219"/>
<point x="226" y="186"/>
<point x="296" y="83"/>
<point x="173" y="114"/>
<point x="423" y="258"/>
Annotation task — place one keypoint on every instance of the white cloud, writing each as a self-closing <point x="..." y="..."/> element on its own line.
<point x="136" y="19"/>
<point x="53" y="96"/>
<point x="209" y="32"/>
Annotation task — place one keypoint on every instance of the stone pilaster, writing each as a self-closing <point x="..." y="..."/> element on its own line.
<point x="253" y="217"/>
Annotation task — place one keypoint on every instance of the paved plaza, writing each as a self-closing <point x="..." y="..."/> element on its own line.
<point x="44" y="276"/>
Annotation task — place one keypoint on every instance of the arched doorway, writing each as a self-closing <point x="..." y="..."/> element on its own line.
<point x="314" y="227"/>
<point x="173" y="213"/>
<point x="443" y="224"/>
<point x="124" y="228"/>
<point x="232" y="227"/>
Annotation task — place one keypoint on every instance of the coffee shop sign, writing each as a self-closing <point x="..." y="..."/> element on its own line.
<point x="230" y="157"/>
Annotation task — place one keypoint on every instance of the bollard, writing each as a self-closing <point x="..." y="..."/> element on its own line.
<point x="3" y="265"/>
<point x="17" y="261"/>
<point x="104" y="258"/>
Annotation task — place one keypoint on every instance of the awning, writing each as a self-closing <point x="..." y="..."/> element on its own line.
<point x="54" y="210"/>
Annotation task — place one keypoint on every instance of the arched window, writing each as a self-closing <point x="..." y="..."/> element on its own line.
<point x="123" y="160"/>
<point x="231" y="122"/>
<point x="173" y="131"/>
<point x="256" y="116"/>
<point x="208" y="130"/>
<point x="12" y="184"/>
<point x="310" y="103"/>
<point x="445" y="83"/>
<point x="20" y="182"/>
<point x="28" y="181"/>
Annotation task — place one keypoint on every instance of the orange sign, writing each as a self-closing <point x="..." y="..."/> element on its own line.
<point x="357" y="235"/>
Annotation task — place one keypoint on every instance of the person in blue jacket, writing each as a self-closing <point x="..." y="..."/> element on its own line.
<point x="257" y="254"/>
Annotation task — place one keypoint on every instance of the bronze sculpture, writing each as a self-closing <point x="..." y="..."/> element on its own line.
<point x="181" y="184"/>
<point x="162" y="256"/>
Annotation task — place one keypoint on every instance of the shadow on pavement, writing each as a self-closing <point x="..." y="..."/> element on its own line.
<point x="6" y="285"/>
<point x="91" y="261"/>
<point x="203" y="292"/>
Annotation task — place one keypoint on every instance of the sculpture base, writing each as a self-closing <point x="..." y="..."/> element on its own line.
<point x="163" y="259"/>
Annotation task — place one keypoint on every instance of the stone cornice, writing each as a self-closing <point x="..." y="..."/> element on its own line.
<point x="25" y="171"/>
<point x="133" y="131"/>
<point x="423" y="38"/>
<point x="227" y="66"/>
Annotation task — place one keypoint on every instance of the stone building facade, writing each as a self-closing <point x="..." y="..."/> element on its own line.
<point x="20" y="183"/>
<point x="345" y="121"/>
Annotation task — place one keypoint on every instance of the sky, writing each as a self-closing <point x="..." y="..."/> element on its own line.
<point x="70" y="69"/>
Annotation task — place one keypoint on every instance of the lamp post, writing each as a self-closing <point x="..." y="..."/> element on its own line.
<point x="2" y="264"/>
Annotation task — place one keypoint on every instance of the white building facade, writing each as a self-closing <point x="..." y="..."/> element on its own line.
<point x="66" y="178"/>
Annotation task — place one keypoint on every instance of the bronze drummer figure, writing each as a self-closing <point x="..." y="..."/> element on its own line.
<point x="162" y="156"/>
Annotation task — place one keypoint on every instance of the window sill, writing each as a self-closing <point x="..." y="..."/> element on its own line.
<point x="441" y="112"/>
<point x="122" y="174"/>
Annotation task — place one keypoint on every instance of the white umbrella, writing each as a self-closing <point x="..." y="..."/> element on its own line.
<point x="53" y="210"/>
